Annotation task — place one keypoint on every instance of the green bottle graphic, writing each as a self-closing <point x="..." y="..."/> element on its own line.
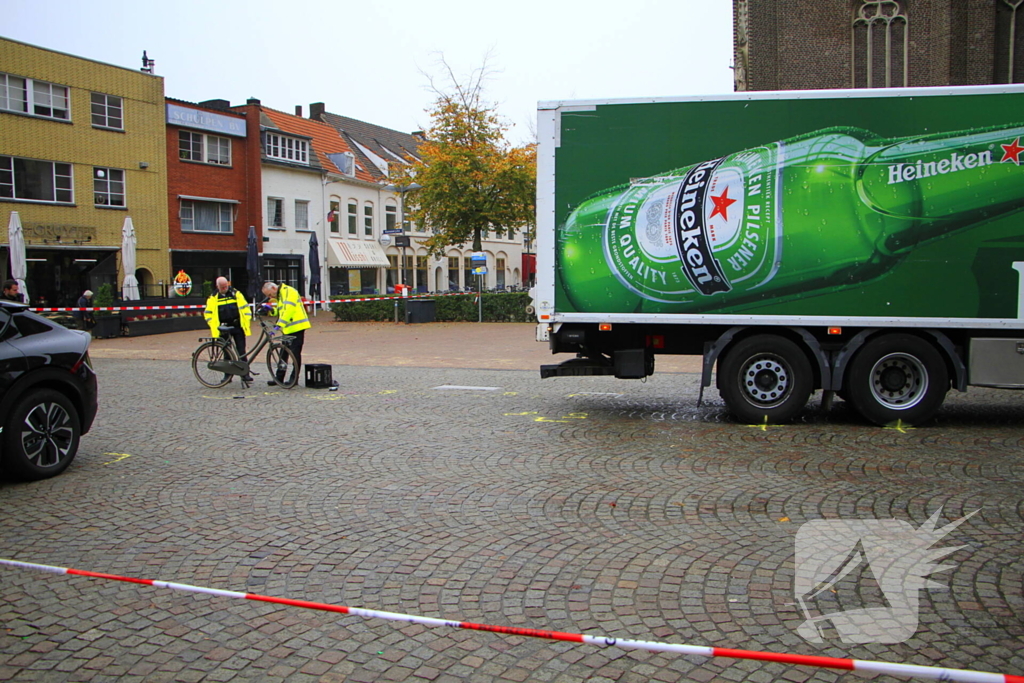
<point x="811" y="214"/>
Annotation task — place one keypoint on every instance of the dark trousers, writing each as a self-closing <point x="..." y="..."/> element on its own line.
<point x="238" y="335"/>
<point x="295" y="346"/>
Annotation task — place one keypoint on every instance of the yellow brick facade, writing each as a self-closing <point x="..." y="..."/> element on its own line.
<point x="140" y="150"/>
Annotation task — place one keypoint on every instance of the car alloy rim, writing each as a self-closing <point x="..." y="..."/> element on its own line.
<point x="47" y="434"/>
<point x="899" y="381"/>
<point x="766" y="381"/>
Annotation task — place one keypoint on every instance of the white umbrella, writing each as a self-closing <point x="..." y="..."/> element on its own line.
<point x="130" y="286"/>
<point x="16" y="245"/>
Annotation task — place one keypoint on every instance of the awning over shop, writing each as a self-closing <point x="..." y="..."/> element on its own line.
<point x="355" y="254"/>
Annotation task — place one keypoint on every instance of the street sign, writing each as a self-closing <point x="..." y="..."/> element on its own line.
<point x="482" y="270"/>
<point x="478" y="256"/>
<point x="401" y="240"/>
<point x="392" y="231"/>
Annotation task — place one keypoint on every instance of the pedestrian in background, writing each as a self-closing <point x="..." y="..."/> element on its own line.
<point x="292" y="319"/>
<point x="11" y="292"/>
<point x="85" y="317"/>
<point x="227" y="306"/>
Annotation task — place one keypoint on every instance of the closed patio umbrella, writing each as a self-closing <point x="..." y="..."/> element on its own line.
<point x="314" y="269"/>
<point x="16" y="242"/>
<point x="130" y="286"/>
<point x="252" y="265"/>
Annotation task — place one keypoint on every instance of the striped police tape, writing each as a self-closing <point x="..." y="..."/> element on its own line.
<point x="307" y="302"/>
<point x="933" y="673"/>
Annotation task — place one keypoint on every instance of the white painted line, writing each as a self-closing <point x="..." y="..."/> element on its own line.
<point x="455" y="386"/>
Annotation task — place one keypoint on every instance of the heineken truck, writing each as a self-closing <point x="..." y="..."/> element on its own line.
<point x="867" y="244"/>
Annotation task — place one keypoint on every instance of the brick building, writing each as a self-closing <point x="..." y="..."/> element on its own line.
<point x="214" y="191"/>
<point x="828" y="44"/>
<point x="81" y="149"/>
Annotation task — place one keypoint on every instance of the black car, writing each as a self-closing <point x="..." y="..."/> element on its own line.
<point x="47" y="393"/>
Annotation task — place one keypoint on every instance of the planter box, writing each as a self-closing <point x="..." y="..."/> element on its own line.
<point x="107" y="326"/>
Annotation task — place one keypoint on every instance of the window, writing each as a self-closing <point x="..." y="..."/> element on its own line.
<point x="879" y="38"/>
<point x="34" y="97"/>
<point x="209" y="149"/>
<point x="107" y="112"/>
<point x="453" y="273"/>
<point x="499" y="273"/>
<point x="289" y="149"/>
<point x="13" y="96"/>
<point x="392" y="273"/>
<point x="1009" y="43"/>
<point x="206" y="216"/>
<point x="301" y="214"/>
<point x="368" y="219"/>
<point x="333" y="216"/>
<point x="275" y="212"/>
<point x="469" y="277"/>
<point x="353" y="217"/>
<point x="422" y="283"/>
<point x="390" y="216"/>
<point x="33" y="180"/>
<point x="108" y="186"/>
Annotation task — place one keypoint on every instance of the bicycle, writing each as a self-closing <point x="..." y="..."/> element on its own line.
<point x="215" y="362"/>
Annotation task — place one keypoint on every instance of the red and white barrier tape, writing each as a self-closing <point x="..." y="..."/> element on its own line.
<point x="184" y="306"/>
<point x="889" y="668"/>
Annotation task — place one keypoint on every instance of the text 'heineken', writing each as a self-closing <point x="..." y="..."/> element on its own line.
<point x="822" y="211"/>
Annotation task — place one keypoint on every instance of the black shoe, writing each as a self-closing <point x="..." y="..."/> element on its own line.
<point x="271" y="383"/>
<point x="248" y="378"/>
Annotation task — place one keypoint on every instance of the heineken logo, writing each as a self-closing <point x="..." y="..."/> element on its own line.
<point x="692" y="239"/>
<point x="901" y="173"/>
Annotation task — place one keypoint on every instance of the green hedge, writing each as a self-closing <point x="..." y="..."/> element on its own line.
<point x="499" y="307"/>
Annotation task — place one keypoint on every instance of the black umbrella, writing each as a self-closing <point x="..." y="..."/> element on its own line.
<point x="314" y="268"/>
<point x="252" y="265"/>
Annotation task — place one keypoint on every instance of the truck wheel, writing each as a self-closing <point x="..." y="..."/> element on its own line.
<point x="898" y="377"/>
<point x="765" y="379"/>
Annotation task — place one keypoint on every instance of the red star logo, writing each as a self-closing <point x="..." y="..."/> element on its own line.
<point x="723" y="202"/>
<point x="1012" y="151"/>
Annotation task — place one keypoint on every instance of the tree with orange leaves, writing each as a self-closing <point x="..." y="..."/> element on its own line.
<point x="471" y="179"/>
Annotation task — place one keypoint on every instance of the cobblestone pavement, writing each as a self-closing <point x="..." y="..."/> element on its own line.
<point x="576" y="504"/>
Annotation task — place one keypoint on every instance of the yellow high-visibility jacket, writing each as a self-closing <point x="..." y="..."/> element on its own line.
<point x="212" y="312"/>
<point x="291" y="314"/>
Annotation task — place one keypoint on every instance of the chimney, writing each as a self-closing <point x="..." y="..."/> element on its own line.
<point x="316" y="111"/>
<point x="253" y="100"/>
<point x="298" y="110"/>
<point x="419" y="135"/>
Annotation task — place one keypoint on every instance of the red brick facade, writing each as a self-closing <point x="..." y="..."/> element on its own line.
<point x="240" y="182"/>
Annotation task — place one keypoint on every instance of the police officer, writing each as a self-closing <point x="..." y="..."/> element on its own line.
<point x="292" y="319"/>
<point x="227" y="306"/>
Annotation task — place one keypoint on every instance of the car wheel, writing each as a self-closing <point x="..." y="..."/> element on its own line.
<point x="41" y="435"/>
<point x="765" y="379"/>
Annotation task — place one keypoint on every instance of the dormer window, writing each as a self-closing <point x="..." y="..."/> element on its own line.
<point x="287" y="149"/>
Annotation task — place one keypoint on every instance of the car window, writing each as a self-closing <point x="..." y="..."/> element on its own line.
<point x="28" y="325"/>
<point x="7" y="330"/>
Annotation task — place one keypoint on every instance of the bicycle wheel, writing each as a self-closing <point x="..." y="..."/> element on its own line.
<point x="282" y="366"/>
<point x="207" y="353"/>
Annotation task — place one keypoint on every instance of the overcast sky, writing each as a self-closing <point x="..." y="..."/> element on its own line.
<point x="370" y="59"/>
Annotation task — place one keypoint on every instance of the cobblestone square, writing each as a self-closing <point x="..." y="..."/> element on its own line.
<point x="432" y="486"/>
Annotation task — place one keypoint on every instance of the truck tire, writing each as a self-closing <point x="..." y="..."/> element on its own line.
<point x="765" y="379"/>
<point x="897" y="378"/>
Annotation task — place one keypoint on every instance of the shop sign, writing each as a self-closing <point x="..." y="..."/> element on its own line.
<point x="62" y="234"/>
<point x="182" y="284"/>
<point x="204" y="120"/>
